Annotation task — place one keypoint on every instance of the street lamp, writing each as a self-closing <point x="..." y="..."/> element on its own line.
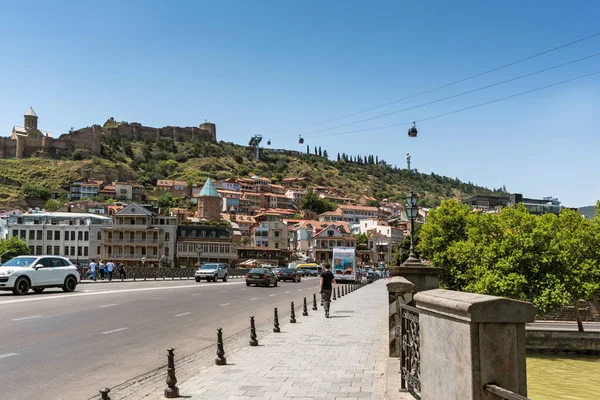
<point x="199" y="251"/>
<point x="411" y="212"/>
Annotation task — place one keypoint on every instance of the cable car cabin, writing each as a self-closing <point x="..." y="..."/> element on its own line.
<point x="301" y="140"/>
<point x="269" y="142"/>
<point x="412" y="131"/>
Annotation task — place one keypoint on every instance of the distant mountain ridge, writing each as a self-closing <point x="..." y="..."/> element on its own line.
<point x="588" y="211"/>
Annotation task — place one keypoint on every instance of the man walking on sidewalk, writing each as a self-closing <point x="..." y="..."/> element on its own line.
<point x="93" y="270"/>
<point x="109" y="267"/>
<point x="325" y="288"/>
<point x="122" y="272"/>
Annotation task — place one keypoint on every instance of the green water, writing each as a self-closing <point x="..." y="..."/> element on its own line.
<point x="551" y="377"/>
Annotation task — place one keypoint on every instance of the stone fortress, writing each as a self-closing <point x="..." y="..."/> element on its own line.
<point x="28" y="140"/>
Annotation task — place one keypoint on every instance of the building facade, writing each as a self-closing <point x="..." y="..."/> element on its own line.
<point x="197" y="243"/>
<point x="139" y="237"/>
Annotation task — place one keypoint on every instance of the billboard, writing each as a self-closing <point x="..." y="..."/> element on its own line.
<point x="344" y="264"/>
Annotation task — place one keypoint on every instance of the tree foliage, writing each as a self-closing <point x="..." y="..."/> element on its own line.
<point x="549" y="260"/>
<point x="314" y="203"/>
<point x="13" y="247"/>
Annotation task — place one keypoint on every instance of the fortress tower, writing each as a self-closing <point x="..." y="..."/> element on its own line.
<point x="31" y="120"/>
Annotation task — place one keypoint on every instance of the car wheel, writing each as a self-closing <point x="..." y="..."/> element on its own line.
<point x="22" y="286"/>
<point x="225" y="278"/>
<point x="70" y="284"/>
<point x="247" y="284"/>
<point x="268" y="283"/>
<point x="215" y="278"/>
<point x="198" y="279"/>
<point x="38" y="289"/>
<point x="275" y="285"/>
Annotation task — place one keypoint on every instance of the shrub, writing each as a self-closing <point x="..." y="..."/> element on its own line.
<point x="81" y="154"/>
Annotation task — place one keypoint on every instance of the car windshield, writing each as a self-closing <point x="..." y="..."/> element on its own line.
<point x="286" y="270"/>
<point x="20" y="262"/>
<point x="258" y="271"/>
<point x="210" y="266"/>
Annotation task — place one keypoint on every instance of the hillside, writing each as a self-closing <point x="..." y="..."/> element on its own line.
<point x="588" y="211"/>
<point x="194" y="161"/>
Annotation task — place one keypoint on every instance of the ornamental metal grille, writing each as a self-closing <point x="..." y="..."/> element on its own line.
<point x="410" y="358"/>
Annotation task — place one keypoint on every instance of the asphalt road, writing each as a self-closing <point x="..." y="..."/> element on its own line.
<point x="59" y="345"/>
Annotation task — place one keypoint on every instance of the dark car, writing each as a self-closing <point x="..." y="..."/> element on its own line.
<point x="288" y="274"/>
<point x="261" y="276"/>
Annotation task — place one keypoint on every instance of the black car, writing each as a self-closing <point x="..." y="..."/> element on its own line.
<point x="261" y="276"/>
<point x="288" y="274"/>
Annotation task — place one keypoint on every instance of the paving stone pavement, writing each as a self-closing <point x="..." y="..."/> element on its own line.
<point x="342" y="357"/>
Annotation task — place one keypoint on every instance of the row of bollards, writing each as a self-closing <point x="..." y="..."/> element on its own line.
<point x="172" y="391"/>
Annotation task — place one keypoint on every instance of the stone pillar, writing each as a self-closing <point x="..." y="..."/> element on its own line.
<point x="423" y="277"/>
<point x="400" y="291"/>
<point x="468" y="340"/>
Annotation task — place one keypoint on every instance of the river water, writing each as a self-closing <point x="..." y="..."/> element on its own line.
<point x="552" y="377"/>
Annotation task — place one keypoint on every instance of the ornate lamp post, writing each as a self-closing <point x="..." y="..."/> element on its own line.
<point x="199" y="251"/>
<point x="412" y="211"/>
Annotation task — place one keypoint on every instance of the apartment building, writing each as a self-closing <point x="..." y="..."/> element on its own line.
<point x="139" y="237"/>
<point x="85" y="189"/>
<point x="325" y="239"/>
<point x="383" y="238"/>
<point x="270" y="231"/>
<point x="68" y="234"/>
<point x="197" y="242"/>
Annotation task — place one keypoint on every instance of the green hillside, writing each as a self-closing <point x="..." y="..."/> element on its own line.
<point x="194" y="161"/>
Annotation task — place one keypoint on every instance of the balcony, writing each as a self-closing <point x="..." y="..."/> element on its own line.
<point x="151" y="242"/>
<point x="137" y="256"/>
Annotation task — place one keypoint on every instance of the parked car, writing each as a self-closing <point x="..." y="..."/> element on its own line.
<point x="22" y="273"/>
<point x="261" y="276"/>
<point x="288" y="274"/>
<point x="300" y="272"/>
<point x="212" y="272"/>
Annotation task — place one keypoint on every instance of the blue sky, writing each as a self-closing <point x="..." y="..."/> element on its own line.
<point x="276" y="68"/>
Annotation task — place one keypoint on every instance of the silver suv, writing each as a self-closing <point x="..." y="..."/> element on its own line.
<point x="212" y="272"/>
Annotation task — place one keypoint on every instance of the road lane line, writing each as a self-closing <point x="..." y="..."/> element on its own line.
<point x="254" y="298"/>
<point x="114" y="330"/>
<point x="300" y="290"/>
<point x="196" y="294"/>
<point x="223" y="305"/>
<point x="157" y="298"/>
<point x="287" y="291"/>
<point x="8" y="355"/>
<point x="101" y="292"/>
<point x="182" y="314"/>
<point x="222" y="291"/>
<point x="108" y="305"/>
<point x="271" y="295"/>
<point x="24" y="318"/>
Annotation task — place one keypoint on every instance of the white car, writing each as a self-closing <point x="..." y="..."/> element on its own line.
<point x="212" y="272"/>
<point x="38" y="272"/>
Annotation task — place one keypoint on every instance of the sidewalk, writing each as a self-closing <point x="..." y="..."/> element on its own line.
<point x="343" y="357"/>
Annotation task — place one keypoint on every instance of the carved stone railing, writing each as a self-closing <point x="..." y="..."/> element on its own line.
<point x="158" y="273"/>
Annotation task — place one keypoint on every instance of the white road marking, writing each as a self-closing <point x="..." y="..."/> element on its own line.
<point x="196" y="294"/>
<point x="226" y="304"/>
<point x="300" y="290"/>
<point x="114" y="330"/>
<point x="287" y="291"/>
<point x="108" y="305"/>
<point x="157" y="298"/>
<point x="182" y="314"/>
<point x="8" y="355"/>
<point x="254" y="298"/>
<point x="100" y="292"/>
<point x="243" y="289"/>
<point x="24" y="318"/>
<point x="271" y="295"/>
<point x="222" y="291"/>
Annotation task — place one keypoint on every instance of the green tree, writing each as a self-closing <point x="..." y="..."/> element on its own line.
<point x="325" y="154"/>
<point x="13" y="247"/>
<point x="314" y="203"/>
<point x="53" y="205"/>
<point x="320" y="152"/>
<point x="361" y="238"/>
<point x="307" y="149"/>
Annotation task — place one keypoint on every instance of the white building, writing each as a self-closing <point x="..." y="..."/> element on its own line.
<point x="382" y="238"/>
<point x="67" y="234"/>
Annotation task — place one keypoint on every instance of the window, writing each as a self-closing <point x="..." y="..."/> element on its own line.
<point x="48" y="249"/>
<point x="72" y="235"/>
<point x="120" y="235"/>
<point x="143" y="235"/>
<point x="57" y="250"/>
<point x="38" y="250"/>
<point x="276" y="245"/>
<point x="167" y="236"/>
<point x="79" y="251"/>
<point x="276" y="225"/>
<point x="132" y="221"/>
<point x="86" y="236"/>
<point x="72" y="250"/>
<point x="166" y="252"/>
<point x="132" y="236"/>
<point x="99" y="235"/>
<point x="22" y="234"/>
<point x="38" y="235"/>
<point x="143" y="251"/>
<point x="66" y="250"/>
<point x="79" y="235"/>
<point x="31" y="235"/>
<point x="98" y="250"/>
<point x="15" y="232"/>
<point x="277" y="234"/>
<point x="56" y="235"/>
<point x="85" y="251"/>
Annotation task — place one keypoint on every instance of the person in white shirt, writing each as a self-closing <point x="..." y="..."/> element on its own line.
<point x="109" y="267"/>
<point x="93" y="270"/>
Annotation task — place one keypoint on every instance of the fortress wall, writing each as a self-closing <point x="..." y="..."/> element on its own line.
<point x="8" y="148"/>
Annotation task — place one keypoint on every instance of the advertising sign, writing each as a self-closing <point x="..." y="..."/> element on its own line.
<point x="344" y="264"/>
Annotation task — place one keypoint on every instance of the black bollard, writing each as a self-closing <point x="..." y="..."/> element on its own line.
<point x="104" y="393"/>
<point x="276" y="321"/>
<point x="314" y="301"/>
<point x="334" y="298"/>
<point x="253" y="340"/>
<point x="343" y="294"/>
<point x="171" y="391"/>
<point x="293" y="315"/>
<point x="304" y="308"/>
<point x="338" y="288"/>
<point x="346" y="289"/>
<point x="220" y="360"/>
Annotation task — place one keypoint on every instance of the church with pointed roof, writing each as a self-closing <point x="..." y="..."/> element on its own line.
<point x="209" y="202"/>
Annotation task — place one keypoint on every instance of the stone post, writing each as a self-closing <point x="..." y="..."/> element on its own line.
<point x="468" y="340"/>
<point x="400" y="291"/>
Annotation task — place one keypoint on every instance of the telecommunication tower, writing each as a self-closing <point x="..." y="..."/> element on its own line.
<point x="254" y="142"/>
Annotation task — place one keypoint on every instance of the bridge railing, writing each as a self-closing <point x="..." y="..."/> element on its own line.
<point x="158" y="273"/>
<point x="503" y="393"/>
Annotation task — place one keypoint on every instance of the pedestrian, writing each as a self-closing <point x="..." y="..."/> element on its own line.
<point x="109" y="268"/>
<point x="101" y="269"/>
<point x="93" y="270"/>
<point x="325" y="288"/>
<point x="122" y="272"/>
